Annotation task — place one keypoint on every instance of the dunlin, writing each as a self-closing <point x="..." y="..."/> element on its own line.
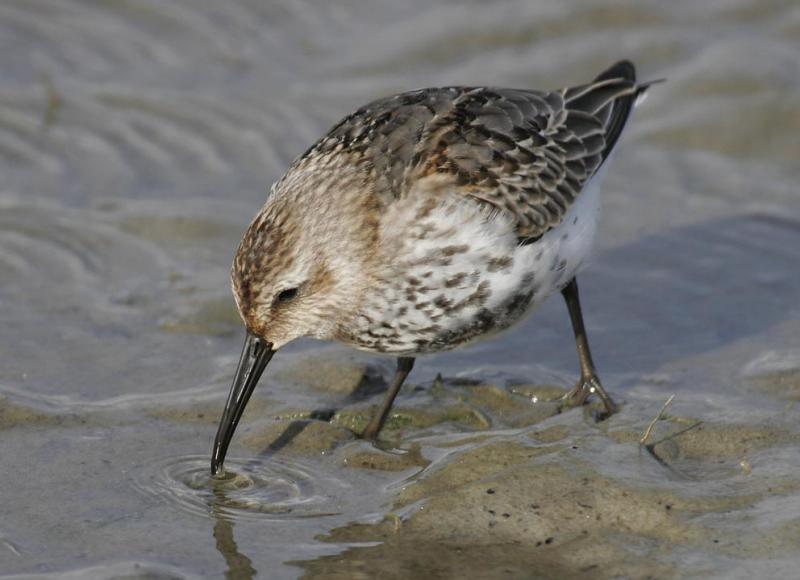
<point x="427" y="221"/>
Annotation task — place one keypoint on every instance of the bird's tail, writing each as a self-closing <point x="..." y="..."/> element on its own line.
<point x="611" y="97"/>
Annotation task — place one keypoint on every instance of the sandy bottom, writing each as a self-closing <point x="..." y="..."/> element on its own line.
<point x="468" y="479"/>
<point x="502" y="481"/>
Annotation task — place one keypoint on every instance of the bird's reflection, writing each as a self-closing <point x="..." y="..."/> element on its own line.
<point x="240" y="567"/>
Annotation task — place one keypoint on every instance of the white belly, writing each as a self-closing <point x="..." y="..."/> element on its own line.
<point x="459" y="277"/>
<point x="557" y="257"/>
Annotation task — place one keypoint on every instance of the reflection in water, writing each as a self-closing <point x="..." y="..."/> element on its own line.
<point x="239" y="565"/>
<point x="434" y="560"/>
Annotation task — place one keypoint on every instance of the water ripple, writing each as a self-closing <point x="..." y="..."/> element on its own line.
<point x="273" y="488"/>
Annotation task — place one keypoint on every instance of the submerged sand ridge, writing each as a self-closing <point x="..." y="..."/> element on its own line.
<point x="562" y="495"/>
<point x="478" y="478"/>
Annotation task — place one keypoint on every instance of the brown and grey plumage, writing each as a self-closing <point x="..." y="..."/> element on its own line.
<point x="428" y="220"/>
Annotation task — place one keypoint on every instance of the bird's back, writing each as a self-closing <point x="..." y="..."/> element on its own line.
<point x="526" y="153"/>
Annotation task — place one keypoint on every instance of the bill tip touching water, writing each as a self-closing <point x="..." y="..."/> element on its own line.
<point x="427" y="221"/>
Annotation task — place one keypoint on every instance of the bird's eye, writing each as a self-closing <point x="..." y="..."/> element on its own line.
<point x="286" y="295"/>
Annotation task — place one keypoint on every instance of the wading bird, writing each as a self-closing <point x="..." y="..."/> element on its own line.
<point x="426" y="221"/>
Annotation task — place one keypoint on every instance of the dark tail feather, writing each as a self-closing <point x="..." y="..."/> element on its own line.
<point x="623" y="69"/>
<point x="622" y="106"/>
<point x="621" y="76"/>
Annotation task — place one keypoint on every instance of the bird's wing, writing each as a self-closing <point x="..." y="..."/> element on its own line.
<point x="525" y="153"/>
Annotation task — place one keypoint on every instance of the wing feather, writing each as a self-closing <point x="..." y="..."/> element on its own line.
<point x="529" y="153"/>
<point x="525" y="153"/>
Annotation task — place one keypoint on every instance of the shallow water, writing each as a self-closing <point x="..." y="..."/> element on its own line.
<point x="137" y="140"/>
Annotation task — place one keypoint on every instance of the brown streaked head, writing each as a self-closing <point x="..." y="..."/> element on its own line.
<point x="289" y="280"/>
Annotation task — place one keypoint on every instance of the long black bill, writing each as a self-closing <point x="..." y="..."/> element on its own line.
<point x="255" y="355"/>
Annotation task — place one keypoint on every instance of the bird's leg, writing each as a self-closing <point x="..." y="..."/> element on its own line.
<point x="404" y="366"/>
<point x="589" y="382"/>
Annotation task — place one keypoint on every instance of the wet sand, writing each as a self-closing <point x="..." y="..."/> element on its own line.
<point x="563" y="496"/>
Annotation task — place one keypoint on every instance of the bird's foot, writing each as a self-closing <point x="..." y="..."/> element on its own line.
<point x="584" y="388"/>
<point x="370" y="433"/>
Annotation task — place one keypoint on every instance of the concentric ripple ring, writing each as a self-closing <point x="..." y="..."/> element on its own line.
<point x="273" y="488"/>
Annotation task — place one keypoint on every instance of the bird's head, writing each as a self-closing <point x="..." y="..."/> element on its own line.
<point x="283" y="281"/>
<point x="299" y="271"/>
